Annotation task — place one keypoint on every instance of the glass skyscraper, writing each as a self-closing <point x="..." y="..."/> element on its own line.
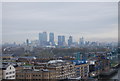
<point x="51" y="39"/>
<point x="61" y="40"/>
<point x="43" y="39"/>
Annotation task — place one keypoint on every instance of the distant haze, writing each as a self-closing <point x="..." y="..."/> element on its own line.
<point x="95" y="21"/>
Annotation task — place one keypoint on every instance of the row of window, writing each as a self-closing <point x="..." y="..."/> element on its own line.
<point x="12" y="72"/>
<point x="13" y="76"/>
<point x="29" y="75"/>
<point x="36" y="75"/>
<point x="66" y="76"/>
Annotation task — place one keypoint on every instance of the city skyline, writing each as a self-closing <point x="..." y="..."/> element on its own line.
<point x="50" y="39"/>
<point x="94" y="21"/>
<point x="77" y="39"/>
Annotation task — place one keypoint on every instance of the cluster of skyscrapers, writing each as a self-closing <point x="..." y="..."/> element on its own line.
<point x="46" y="40"/>
<point x="43" y="40"/>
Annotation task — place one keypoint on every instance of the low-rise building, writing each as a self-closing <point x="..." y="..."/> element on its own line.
<point x="35" y="74"/>
<point x="0" y="73"/>
<point x="98" y="65"/>
<point x="81" y="68"/>
<point x="63" y="69"/>
<point x="8" y="72"/>
<point x="54" y="69"/>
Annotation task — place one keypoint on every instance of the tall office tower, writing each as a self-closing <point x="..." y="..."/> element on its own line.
<point x="51" y="39"/>
<point x="81" y="42"/>
<point x="27" y="42"/>
<point x="61" y="40"/>
<point x="70" y="41"/>
<point x="40" y="38"/>
<point x="43" y="39"/>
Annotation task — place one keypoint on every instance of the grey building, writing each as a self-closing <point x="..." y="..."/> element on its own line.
<point x="81" y="42"/>
<point x="51" y="39"/>
<point x="61" y="40"/>
<point x="70" y="41"/>
<point x="43" y="39"/>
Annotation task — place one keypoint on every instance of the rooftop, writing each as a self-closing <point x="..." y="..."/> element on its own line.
<point x="79" y="62"/>
<point x="55" y="61"/>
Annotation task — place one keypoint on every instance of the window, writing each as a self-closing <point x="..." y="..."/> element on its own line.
<point x="10" y="77"/>
<point x="6" y="73"/>
<point x="21" y="75"/>
<point x="13" y="71"/>
<point x="36" y="75"/>
<point x="10" y="72"/>
<point x="27" y="75"/>
<point x="13" y="76"/>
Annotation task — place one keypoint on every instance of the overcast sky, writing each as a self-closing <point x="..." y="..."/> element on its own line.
<point x="94" y="21"/>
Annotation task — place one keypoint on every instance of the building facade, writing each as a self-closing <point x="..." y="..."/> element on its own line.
<point x="62" y="68"/>
<point x="8" y="72"/>
<point x="81" y="68"/>
<point x="35" y="74"/>
<point x="51" y="39"/>
<point x="81" y="42"/>
<point x="61" y="40"/>
<point x="70" y="41"/>
<point x="43" y="39"/>
<point x="55" y="69"/>
<point x="98" y="65"/>
<point x="0" y="73"/>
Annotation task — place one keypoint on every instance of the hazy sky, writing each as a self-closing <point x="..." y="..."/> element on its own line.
<point x="96" y="21"/>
